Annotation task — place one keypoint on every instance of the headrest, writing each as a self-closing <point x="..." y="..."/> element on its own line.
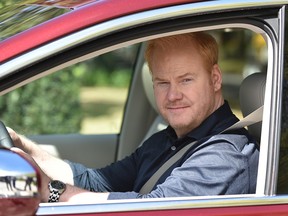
<point x="252" y="91"/>
<point x="148" y="86"/>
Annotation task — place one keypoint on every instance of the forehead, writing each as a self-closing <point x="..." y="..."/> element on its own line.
<point x="176" y="55"/>
<point x="174" y="42"/>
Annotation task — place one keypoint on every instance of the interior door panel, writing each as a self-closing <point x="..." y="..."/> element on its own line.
<point x="94" y="151"/>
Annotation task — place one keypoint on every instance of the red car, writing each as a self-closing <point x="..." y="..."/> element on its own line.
<point x="41" y="39"/>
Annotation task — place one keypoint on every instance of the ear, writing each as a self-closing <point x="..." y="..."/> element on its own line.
<point x="216" y="77"/>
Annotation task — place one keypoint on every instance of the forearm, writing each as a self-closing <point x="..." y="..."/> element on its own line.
<point x="53" y="167"/>
<point x="76" y="195"/>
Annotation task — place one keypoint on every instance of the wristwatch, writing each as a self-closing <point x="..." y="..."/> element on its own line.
<point x="56" y="188"/>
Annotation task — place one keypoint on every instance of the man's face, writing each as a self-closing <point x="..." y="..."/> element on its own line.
<point x="185" y="92"/>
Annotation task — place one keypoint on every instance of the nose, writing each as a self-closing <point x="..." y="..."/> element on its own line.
<point x="174" y="92"/>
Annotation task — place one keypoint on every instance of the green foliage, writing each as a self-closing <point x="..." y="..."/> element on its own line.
<point x="119" y="78"/>
<point x="111" y="69"/>
<point x="48" y="105"/>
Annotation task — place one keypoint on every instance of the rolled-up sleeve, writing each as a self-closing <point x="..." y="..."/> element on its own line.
<point x="89" y="179"/>
<point x="119" y="176"/>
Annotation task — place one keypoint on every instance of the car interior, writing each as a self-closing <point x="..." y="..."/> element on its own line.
<point x="251" y="95"/>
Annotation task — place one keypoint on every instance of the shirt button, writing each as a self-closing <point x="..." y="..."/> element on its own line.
<point x="173" y="148"/>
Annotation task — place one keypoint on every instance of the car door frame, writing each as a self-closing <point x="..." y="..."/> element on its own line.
<point x="190" y="205"/>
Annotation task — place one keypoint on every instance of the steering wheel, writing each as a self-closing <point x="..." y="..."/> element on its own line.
<point x="5" y="139"/>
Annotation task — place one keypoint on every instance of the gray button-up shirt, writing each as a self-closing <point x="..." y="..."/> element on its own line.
<point x="216" y="164"/>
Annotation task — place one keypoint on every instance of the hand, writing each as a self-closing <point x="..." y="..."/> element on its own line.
<point x="23" y="143"/>
<point x="15" y="138"/>
<point x="44" y="192"/>
<point x="24" y="147"/>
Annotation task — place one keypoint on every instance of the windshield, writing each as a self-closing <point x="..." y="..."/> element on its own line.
<point x="17" y="16"/>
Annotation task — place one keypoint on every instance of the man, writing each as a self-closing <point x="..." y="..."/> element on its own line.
<point x="187" y="86"/>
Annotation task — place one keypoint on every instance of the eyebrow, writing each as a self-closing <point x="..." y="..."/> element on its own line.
<point x="188" y="74"/>
<point x="157" y="79"/>
<point x="179" y="77"/>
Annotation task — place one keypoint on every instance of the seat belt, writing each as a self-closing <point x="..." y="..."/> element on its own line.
<point x="252" y="118"/>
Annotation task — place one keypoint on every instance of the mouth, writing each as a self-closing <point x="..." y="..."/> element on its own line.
<point x="177" y="108"/>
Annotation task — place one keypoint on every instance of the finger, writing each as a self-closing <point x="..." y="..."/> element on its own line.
<point x="15" y="138"/>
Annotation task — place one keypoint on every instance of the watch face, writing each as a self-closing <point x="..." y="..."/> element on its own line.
<point x="58" y="185"/>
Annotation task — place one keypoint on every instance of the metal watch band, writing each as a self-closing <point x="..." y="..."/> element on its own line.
<point x="56" y="188"/>
<point x="54" y="196"/>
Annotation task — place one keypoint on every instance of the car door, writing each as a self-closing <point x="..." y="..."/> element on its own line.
<point x="271" y="29"/>
<point x="266" y="19"/>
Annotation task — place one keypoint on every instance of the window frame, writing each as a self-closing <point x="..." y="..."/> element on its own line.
<point x="116" y="39"/>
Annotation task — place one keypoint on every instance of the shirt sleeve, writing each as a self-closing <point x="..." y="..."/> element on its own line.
<point x="89" y="179"/>
<point x="110" y="178"/>
<point x="213" y="170"/>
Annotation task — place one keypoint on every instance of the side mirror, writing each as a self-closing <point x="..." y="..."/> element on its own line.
<point x="19" y="185"/>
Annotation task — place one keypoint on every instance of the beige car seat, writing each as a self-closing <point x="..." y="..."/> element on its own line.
<point x="158" y="123"/>
<point x="252" y="91"/>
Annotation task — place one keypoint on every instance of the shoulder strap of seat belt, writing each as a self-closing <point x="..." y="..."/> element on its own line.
<point x="252" y="118"/>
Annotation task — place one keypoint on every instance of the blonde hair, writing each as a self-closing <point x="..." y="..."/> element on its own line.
<point x="205" y="44"/>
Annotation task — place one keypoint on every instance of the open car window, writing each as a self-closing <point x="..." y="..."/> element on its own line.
<point x="87" y="98"/>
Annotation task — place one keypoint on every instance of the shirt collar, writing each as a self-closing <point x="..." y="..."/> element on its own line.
<point x="218" y="121"/>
